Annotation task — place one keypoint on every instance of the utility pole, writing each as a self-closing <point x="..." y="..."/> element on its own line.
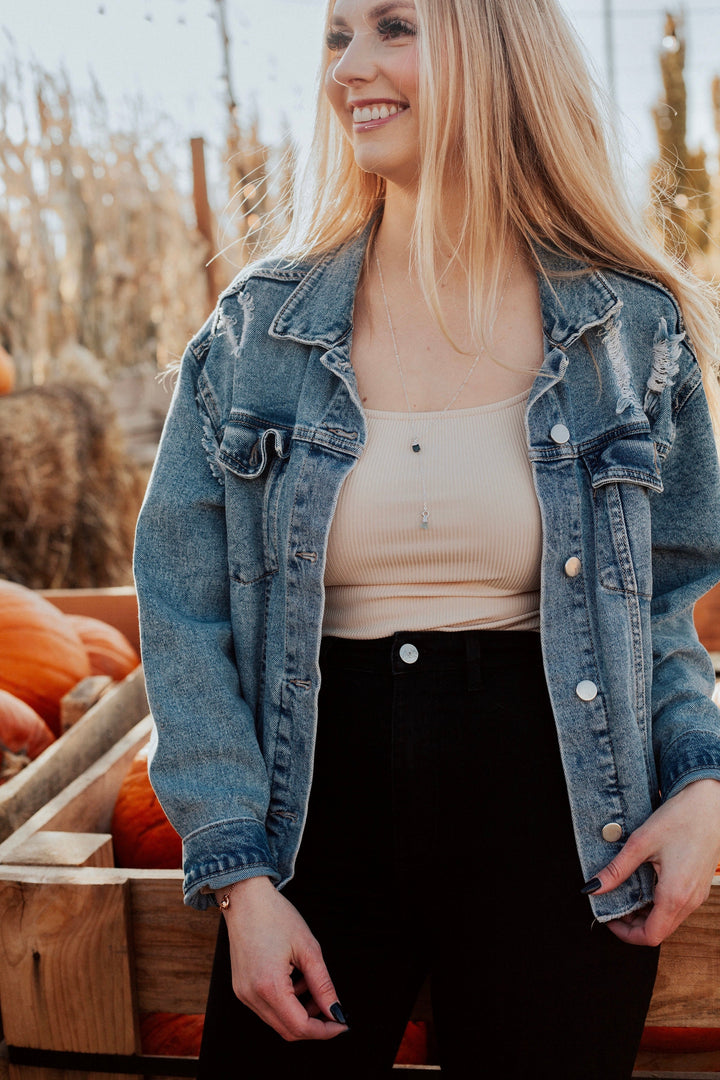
<point x="610" y="50"/>
<point x="226" y="63"/>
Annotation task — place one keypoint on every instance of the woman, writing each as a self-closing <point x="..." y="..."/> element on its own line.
<point x="457" y="407"/>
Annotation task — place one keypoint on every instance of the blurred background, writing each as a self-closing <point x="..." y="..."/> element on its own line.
<point x="144" y="146"/>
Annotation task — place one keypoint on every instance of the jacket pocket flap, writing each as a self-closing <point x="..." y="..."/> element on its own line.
<point x="247" y="448"/>
<point x="625" y="461"/>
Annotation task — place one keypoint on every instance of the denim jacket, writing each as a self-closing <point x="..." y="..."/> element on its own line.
<point x="265" y="425"/>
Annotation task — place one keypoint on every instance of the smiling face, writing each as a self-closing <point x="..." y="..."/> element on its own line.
<point x="371" y="83"/>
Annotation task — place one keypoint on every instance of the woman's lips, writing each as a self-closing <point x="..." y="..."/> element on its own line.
<point x="367" y="117"/>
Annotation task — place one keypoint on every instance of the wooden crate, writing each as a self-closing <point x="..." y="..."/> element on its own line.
<point x="116" y="712"/>
<point x="84" y="946"/>
<point x="687" y="992"/>
<point x="116" y="606"/>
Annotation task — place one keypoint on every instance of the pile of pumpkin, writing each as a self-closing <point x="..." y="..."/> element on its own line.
<point x="44" y="653"/>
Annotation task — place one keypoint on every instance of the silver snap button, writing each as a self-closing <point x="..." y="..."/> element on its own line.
<point x="612" y="832"/>
<point x="559" y="433"/>
<point x="573" y="566"/>
<point x="586" y="690"/>
<point x="408" y="653"/>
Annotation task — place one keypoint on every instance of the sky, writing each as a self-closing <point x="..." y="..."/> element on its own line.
<point x="168" y="53"/>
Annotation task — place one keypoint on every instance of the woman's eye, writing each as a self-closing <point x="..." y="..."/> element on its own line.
<point x="396" y="28"/>
<point x="336" y="40"/>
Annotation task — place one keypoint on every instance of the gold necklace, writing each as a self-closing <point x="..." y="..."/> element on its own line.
<point x="416" y="445"/>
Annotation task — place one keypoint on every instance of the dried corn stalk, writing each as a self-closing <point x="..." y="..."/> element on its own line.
<point x="100" y="233"/>
<point x="99" y="246"/>
<point x="711" y="268"/>
<point x="679" y="179"/>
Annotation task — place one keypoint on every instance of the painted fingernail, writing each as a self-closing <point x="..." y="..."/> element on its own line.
<point x="337" y="1013"/>
<point x="591" y="886"/>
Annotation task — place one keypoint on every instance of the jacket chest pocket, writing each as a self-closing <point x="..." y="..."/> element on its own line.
<point x="253" y="456"/>
<point x="623" y="473"/>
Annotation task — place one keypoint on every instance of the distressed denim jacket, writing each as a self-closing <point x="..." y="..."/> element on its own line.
<point x="265" y="425"/>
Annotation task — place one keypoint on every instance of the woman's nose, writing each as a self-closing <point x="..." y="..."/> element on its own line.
<point x="357" y="63"/>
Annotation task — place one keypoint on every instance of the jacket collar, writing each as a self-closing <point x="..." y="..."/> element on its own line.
<point x="573" y="298"/>
<point x="319" y="311"/>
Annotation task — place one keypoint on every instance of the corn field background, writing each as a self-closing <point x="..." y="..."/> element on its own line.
<point x="99" y="247"/>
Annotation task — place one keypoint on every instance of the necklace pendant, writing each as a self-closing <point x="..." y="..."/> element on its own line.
<point x="416" y="448"/>
<point x="425" y="520"/>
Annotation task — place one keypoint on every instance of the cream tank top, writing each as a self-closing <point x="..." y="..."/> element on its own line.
<point x="476" y="565"/>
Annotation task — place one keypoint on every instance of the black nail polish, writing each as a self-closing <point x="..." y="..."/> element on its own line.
<point x="337" y="1013"/>
<point x="591" y="886"/>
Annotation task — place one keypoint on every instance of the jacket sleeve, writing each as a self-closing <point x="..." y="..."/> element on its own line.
<point x="204" y="738"/>
<point x="686" y="564"/>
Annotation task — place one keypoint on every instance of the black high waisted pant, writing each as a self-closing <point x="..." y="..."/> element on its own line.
<point x="439" y="844"/>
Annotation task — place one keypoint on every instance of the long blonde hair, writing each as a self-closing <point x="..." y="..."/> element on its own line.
<point x="519" y="133"/>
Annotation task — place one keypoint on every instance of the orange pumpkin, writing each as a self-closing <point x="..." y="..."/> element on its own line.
<point x="707" y="619"/>
<point x="109" y="651"/>
<point x="171" y="1033"/>
<point x="684" y="1040"/>
<point x="41" y="655"/>
<point x="181" y="1035"/>
<point x="7" y="372"/>
<point x="142" y="836"/>
<point x="413" y="1049"/>
<point x="23" y="735"/>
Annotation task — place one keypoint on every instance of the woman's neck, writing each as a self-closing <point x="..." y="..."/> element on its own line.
<point x="393" y="239"/>
<point x="392" y="242"/>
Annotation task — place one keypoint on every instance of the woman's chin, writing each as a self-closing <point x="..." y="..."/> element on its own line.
<point x="400" y="176"/>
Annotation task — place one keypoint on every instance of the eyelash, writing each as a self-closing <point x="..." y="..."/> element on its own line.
<point x="393" y="27"/>
<point x="388" y="28"/>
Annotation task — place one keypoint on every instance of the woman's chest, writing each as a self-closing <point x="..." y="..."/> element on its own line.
<point x="404" y="362"/>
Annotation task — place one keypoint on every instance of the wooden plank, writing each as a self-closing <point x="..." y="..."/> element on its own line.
<point x="65" y="976"/>
<point x="672" y="1075"/>
<point x="86" y="804"/>
<point x="654" y="1061"/>
<point x="117" y="606"/>
<point x="174" y="945"/>
<point x="81" y="699"/>
<point x="687" y="989"/>
<point x="85" y="875"/>
<point x="68" y="849"/>
<point x="94" y="734"/>
<point x="32" y="1072"/>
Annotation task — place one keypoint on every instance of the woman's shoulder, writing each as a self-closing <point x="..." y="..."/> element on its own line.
<point x="280" y="268"/>
<point x="257" y="291"/>
<point x="625" y="289"/>
<point x="284" y="268"/>
<point x="644" y="296"/>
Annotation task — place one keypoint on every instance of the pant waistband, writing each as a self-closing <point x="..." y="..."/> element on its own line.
<point x="415" y="651"/>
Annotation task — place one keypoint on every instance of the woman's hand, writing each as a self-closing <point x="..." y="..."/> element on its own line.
<point x="276" y="961"/>
<point x="682" y="842"/>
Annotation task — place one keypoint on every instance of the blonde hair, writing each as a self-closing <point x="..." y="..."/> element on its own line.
<point x="521" y="135"/>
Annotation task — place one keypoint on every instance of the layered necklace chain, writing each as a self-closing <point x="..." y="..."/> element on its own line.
<point x="415" y="444"/>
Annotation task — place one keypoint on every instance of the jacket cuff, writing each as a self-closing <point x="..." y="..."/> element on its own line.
<point x="692" y="756"/>
<point x="221" y="853"/>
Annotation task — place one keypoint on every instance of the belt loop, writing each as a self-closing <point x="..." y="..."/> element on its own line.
<point x="396" y="664"/>
<point x="327" y="647"/>
<point x="473" y="660"/>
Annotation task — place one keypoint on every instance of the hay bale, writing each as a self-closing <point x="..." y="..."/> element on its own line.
<point x="69" y="493"/>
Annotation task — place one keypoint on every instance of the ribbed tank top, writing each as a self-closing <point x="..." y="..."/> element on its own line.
<point x="476" y="566"/>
